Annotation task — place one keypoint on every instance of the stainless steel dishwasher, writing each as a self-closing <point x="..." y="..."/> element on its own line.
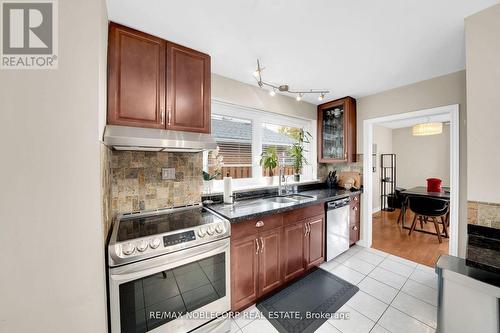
<point x="337" y="227"/>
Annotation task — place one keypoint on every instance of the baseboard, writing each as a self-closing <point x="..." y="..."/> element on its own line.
<point x="374" y="210"/>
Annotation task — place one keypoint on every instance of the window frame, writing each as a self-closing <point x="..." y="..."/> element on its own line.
<point x="258" y="118"/>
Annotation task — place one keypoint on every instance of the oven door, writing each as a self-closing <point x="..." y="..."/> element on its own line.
<point x="176" y="292"/>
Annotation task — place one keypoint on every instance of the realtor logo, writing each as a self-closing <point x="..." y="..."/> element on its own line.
<point x="29" y="34"/>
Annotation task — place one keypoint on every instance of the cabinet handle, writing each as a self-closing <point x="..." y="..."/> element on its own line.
<point x="162" y="111"/>
<point x="262" y="245"/>
<point x="169" y="116"/>
<point x="257" y="245"/>
<point x="355" y="208"/>
<point x="345" y="156"/>
<point x="259" y="224"/>
<point x="305" y="227"/>
<point x="355" y="228"/>
<point x="355" y="198"/>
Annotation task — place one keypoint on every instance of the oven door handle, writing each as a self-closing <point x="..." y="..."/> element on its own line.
<point x="168" y="261"/>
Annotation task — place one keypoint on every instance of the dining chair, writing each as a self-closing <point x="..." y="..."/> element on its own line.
<point x="429" y="209"/>
<point x="399" y="201"/>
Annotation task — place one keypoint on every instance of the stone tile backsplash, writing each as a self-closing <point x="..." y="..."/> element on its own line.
<point x="136" y="182"/>
<point x="484" y="213"/>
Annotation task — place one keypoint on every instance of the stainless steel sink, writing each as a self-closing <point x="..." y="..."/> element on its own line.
<point x="282" y="200"/>
<point x="298" y="196"/>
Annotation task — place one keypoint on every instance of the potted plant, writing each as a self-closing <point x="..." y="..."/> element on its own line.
<point x="207" y="177"/>
<point x="269" y="160"/>
<point x="297" y="151"/>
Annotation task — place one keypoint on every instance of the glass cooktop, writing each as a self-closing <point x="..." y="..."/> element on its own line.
<point x="142" y="226"/>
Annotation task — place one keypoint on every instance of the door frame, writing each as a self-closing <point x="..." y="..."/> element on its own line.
<point x="366" y="222"/>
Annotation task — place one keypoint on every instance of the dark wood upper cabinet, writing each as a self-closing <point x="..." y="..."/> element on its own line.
<point x="315" y="242"/>
<point x="136" y="78"/>
<point x="337" y="131"/>
<point x="155" y="83"/>
<point x="244" y="271"/>
<point x="188" y="86"/>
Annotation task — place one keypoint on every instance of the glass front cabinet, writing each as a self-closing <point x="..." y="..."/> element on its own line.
<point x="337" y="131"/>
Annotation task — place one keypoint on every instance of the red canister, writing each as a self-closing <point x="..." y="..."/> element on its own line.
<point x="434" y="185"/>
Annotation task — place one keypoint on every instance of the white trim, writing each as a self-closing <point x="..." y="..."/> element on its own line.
<point x="375" y="210"/>
<point x="366" y="223"/>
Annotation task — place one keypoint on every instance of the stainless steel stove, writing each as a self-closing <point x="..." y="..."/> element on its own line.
<point x="169" y="270"/>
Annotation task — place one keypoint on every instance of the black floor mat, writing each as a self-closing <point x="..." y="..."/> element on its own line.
<point x="301" y="307"/>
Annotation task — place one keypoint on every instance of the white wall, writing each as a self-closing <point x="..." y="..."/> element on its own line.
<point x="382" y="137"/>
<point x="52" y="260"/>
<point x="421" y="157"/>
<point x="440" y="91"/>
<point x="482" y="33"/>
<point x="235" y="92"/>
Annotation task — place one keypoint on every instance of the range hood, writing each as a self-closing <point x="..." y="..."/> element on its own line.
<point x="150" y="139"/>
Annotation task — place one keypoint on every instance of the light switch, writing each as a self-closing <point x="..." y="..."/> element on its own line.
<point x="167" y="173"/>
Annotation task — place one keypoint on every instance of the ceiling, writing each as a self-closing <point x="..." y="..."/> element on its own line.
<point x="354" y="48"/>
<point x="409" y="122"/>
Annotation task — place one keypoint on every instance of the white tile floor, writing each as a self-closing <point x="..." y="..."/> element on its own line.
<point x="396" y="295"/>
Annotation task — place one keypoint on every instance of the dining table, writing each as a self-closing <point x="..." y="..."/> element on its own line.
<point x="422" y="191"/>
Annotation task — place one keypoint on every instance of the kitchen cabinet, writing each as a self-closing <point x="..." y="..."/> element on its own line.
<point x="354" y="219"/>
<point x="315" y="241"/>
<point x="274" y="249"/>
<point x="255" y="259"/>
<point x="269" y="260"/>
<point x="337" y="131"/>
<point x="136" y="78"/>
<point x="188" y="86"/>
<point x="155" y="83"/>
<point x="293" y="253"/>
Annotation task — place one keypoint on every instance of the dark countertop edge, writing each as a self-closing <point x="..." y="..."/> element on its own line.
<point x="459" y="266"/>
<point x="286" y="208"/>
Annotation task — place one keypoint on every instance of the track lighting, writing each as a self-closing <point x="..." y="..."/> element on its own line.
<point x="284" y="87"/>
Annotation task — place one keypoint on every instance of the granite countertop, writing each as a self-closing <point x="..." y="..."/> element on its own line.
<point x="253" y="208"/>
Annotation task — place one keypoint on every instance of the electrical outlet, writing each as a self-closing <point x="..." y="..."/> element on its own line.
<point x="167" y="173"/>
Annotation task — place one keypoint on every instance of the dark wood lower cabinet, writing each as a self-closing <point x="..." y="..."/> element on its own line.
<point x="315" y="242"/>
<point x="293" y="250"/>
<point x="355" y="220"/>
<point x="273" y="250"/>
<point x="244" y="271"/>
<point x="269" y="261"/>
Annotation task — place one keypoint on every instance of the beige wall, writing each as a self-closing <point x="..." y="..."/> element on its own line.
<point x="483" y="104"/>
<point x="52" y="264"/>
<point x="440" y="91"/>
<point x="382" y="137"/>
<point x="232" y="91"/>
<point x="421" y="157"/>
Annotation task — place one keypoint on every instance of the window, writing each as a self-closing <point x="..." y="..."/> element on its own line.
<point x="280" y="137"/>
<point x="242" y="134"/>
<point x="234" y="138"/>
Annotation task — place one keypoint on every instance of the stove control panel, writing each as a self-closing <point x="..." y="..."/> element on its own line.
<point x="182" y="237"/>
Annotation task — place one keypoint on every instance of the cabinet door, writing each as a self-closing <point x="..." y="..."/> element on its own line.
<point x="136" y="78"/>
<point x="337" y="131"/>
<point x="315" y="241"/>
<point x="354" y="220"/>
<point x="293" y="250"/>
<point x="188" y="85"/>
<point x="269" y="260"/>
<point x="244" y="272"/>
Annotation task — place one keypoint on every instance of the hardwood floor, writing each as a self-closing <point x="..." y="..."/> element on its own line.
<point x="392" y="238"/>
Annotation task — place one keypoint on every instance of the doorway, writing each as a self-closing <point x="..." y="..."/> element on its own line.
<point x="450" y="112"/>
